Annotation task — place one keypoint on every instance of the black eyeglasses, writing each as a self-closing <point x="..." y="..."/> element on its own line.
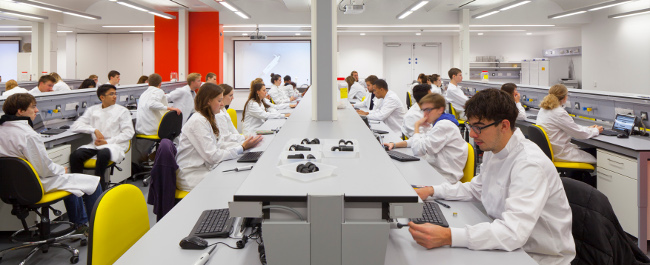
<point x="427" y="110"/>
<point x="478" y="129"/>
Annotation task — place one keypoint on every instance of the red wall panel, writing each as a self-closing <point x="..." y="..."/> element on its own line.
<point x="166" y="46"/>
<point x="205" y="44"/>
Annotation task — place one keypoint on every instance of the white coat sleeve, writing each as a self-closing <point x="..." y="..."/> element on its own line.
<point x="126" y="129"/>
<point x="522" y="112"/>
<point x="522" y="209"/>
<point x="157" y="99"/>
<point x="82" y="124"/>
<point x="201" y="136"/>
<point x="569" y="126"/>
<point x="257" y="111"/>
<point x="387" y="107"/>
<point x="459" y="191"/>
<point x="174" y="95"/>
<point x="431" y="142"/>
<point x="36" y="154"/>
<point x="277" y="95"/>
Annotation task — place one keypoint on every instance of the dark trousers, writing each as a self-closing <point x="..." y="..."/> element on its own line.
<point x="75" y="206"/>
<point x="79" y="156"/>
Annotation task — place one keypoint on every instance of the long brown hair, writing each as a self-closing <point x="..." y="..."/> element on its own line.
<point x="253" y="96"/>
<point x="207" y="92"/>
<point x="350" y="80"/>
<point x="555" y="95"/>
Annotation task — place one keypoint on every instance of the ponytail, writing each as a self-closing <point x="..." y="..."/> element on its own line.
<point x="556" y="94"/>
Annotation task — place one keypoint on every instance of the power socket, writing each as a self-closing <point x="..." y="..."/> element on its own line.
<point x="577" y="106"/>
<point x="644" y="116"/>
<point x="84" y="105"/>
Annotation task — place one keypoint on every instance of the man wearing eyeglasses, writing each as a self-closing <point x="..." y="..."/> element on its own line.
<point x="444" y="147"/>
<point x="518" y="186"/>
<point x="111" y="128"/>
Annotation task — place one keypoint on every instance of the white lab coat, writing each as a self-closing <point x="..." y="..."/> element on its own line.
<point x="109" y="83"/>
<point x="457" y="98"/>
<point x="15" y="90"/>
<point x="277" y="106"/>
<point x="435" y="89"/>
<point x="365" y="103"/>
<point x="183" y="99"/>
<point x="256" y="115"/>
<point x="522" y="191"/>
<point x="20" y="140"/>
<point x="278" y="95"/>
<point x="391" y="111"/>
<point x="290" y="91"/>
<point x="199" y="152"/>
<point x="412" y="115"/>
<point x="521" y="115"/>
<point x="61" y="86"/>
<point x="357" y="91"/>
<point x="113" y="122"/>
<point x="560" y="128"/>
<point x="444" y="147"/>
<point x="227" y="131"/>
<point x="151" y="108"/>
<point x="35" y="91"/>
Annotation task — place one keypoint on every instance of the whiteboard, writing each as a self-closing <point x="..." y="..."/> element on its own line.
<point x="260" y="58"/>
<point x="9" y="59"/>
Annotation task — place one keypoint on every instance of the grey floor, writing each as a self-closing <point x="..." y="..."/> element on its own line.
<point x="55" y="255"/>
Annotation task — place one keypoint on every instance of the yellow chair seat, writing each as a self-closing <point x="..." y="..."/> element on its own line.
<point x="92" y="163"/>
<point x="53" y="196"/>
<point x="461" y="122"/>
<point x="180" y="194"/>
<point x="150" y="137"/>
<point x="573" y="165"/>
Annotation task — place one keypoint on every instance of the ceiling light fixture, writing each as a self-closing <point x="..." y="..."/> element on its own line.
<point x="631" y="13"/>
<point x="297" y="34"/>
<point x="141" y="31"/>
<point x="119" y="26"/>
<point x="480" y="33"/>
<point x="362" y="34"/>
<point x="64" y="31"/>
<point x="500" y="8"/>
<point x="21" y="14"/>
<point x="142" y="8"/>
<point x="234" y="9"/>
<point x="418" y="34"/>
<point x="529" y="33"/>
<point x="412" y="8"/>
<point x="59" y="9"/>
<point x="14" y="27"/>
<point x="595" y="7"/>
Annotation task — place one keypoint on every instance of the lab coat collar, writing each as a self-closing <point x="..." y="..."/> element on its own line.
<point x="7" y="117"/>
<point x="512" y="144"/>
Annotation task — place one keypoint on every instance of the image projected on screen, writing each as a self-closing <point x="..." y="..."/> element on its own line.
<point x="255" y="59"/>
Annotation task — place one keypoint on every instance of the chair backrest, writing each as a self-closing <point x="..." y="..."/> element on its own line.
<point x="452" y="111"/>
<point x="170" y="125"/>
<point x="19" y="182"/>
<point x="470" y="165"/>
<point x="344" y="92"/>
<point x="233" y="116"/>
<point x="163" y="179"/>
<point x="408" y="100"/>
<point x="538" y="135"/>
<point x="119" y="219"/>
<point x="363" y="98"/>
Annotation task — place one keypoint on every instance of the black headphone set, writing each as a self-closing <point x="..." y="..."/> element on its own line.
<point x="346" y="146"/>
<point x="314" y="141"/>
<point x="301" y="156"/>
<point x="308" y="167"/>
<point x="296" y="147"/>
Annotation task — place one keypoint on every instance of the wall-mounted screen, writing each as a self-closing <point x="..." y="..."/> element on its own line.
<point x="260" y="58"/>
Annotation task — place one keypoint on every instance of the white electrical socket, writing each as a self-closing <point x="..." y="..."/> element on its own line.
<point x="71" y="106"/>
<point x="123" y="98"/>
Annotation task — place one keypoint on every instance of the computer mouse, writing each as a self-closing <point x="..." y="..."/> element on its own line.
<point x="622" y="135"/>
<point x="64" y="127"/>
<point x="193" y="242"/>
<point x="386" y="147"/>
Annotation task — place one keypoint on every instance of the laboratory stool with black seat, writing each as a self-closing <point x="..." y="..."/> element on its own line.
<point x="538" y="135"/>
<point x="105" y="180"/>
<point x="169" y="128"/>
<point x="21" y="187"/>
<point x="461" y="123"/>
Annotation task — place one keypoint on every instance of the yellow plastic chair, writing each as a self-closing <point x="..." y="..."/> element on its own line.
<point x="470" y="165"/>
<point x="180" y="194"/>
<point x="538" y="135"/>
<point x="409" y="103"/>
<point x="344" y="92"/>
<point x="119" y="219"/>
<point x="461" y="123"/>
<point x="363" y="98"/>
<point x="233" y="116"/>
<point x="92" y="163"/>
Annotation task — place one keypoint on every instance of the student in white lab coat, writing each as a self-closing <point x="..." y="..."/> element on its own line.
<point x="111" y="128"/>
<point x="183" y="97"/>
<point x="518" y="186"/>
<point x="560" y="127"/>
<point x="45" y="84"/>
<point x="356" y="91"/>
<point x="20" y="140"/>
<point x="444" y="147"/>
<point x="511" y="89"/>
<point x="370" y="100"/>
<point x="422" y="79"/>
<point x="152" y="105"/>
<point x="199" y="147"/>
<point x="228" y="134"/>
<point x="455" y="95"/>
<point x="415" y="113"/>
<point x="59" y="84"/>
<point x="277" y="92"/>
<point x="11" y="87"/>
<point x="390" y="111"/>
<point x="113" y="78"/>
<point x="276" y="106"/>
<point x="435" y="81"/>
<point x="257" y="111"/>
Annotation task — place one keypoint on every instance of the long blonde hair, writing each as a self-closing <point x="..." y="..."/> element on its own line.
<point x="556" y="94"/>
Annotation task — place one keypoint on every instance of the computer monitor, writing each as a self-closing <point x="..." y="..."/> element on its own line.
<point x="39" y="126"/>
<point x="624" y="122"/>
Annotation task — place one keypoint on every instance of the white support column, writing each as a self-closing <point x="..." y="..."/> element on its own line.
<point x="183" y="29"/>
<point x="464" y="42"/>
<point x="71" y="56"/>
<point x="50" y="46"/>
<point x="324" y="59"/>
<point x="38" y="30"/>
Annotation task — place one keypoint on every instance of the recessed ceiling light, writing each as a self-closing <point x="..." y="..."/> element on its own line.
<point x="631" y="13"/>
<point x="480" y="33"/>
<point x="120" y="26"/>
<point x="141" y="31"/>
<point x="64" y="31"/>
<point x="244" y="34"/>
<point x="418" y="34"/>
<point x="529" y="33"/>
<point x="297" y="34"/>
<point x="362" y="34"/>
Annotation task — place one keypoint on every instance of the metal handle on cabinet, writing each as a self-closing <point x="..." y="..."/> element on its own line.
<point x="620" y="163"/>
<point x="599" y="173"/>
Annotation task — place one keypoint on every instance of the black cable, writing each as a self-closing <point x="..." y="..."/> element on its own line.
<point x="223" y="244"/>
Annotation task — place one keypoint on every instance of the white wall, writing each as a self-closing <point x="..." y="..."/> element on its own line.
<point x="559" y="66"/>
<point x="512" y="48"/>
<point x="229" y="68"/>
<point x="61" y="64"/>
<point x="363" y="54"/>
<point x="148" y="54"/>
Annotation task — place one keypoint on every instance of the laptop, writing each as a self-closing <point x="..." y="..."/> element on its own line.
<point x="39" y="127"/>
<point x="622" y="123"/>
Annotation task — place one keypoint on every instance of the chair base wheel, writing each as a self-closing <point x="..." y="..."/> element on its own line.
<point x="74" y="260"/>
<point x="83" y="242"/>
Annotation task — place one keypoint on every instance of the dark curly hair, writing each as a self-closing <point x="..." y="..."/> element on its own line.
<point x="492" y="104"/>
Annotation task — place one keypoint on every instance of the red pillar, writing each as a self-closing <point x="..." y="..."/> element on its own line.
<point x="166" y="46"/>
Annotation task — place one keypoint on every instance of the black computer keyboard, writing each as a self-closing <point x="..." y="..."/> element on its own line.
<point x="609" y="133"/>
<point x="213" y="223"/>
<point x="401" y="156"/>
<point x="532" y="117"/>
<point x="250" y="157"/>
<point x="431" y="214"/>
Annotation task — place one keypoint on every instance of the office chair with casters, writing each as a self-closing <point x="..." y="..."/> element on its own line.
<point x="538" y="135"/>
<point x="168" y="128"/>
<point x="91" y="163"/>
<point x="163" y="194"/>
<point x="118" y="220"/>
<point x="461" y="123"/>
<point x="470" y="165"/>
<point x="409" y="103"/>
<point x="21" y="187"/>
<point x="598" y="235"/>
<point x="233" y="116"/>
